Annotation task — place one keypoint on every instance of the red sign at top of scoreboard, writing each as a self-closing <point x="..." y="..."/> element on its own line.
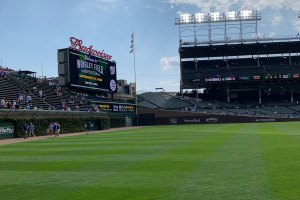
<point x="77" y="45"/>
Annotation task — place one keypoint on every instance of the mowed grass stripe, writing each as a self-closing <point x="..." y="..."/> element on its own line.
<point x="281" y="154"/>
<point x="233" y="171"/>
<point x="128" y="179"/>
<point x="185" y="156"/>
<point x="167" y="162"/>
<point x="137" y="180"/>
<point x="31" y="159"/>
<point x="23" y="161"/>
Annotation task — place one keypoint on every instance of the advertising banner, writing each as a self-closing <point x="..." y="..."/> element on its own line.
<point x="7" y="130"/>
<point x="113" y="107"/>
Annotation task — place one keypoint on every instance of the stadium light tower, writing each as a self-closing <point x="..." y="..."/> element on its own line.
<point x="299" y="14"/>
<point x="213" y="21"/>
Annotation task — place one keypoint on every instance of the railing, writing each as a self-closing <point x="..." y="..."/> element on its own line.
<point x="237" y="40"/>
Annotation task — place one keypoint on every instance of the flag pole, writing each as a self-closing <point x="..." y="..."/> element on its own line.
<point x="136" y="105"/>
<point x="134" y="68"/>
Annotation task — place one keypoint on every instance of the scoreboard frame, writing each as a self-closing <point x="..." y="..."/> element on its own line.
<point x="91" y="72"/>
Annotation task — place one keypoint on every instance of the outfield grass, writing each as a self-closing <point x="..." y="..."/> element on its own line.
<point x="216" y="162"/>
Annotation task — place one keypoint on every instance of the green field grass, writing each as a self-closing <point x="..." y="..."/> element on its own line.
<point x="216" y="162"/>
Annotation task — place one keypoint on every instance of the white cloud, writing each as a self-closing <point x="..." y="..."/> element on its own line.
<point x="155" y="8"/>
<point x="99" y="4"/>
<point x="296" y="25"/>
<point x="276" y="20"/>
<point x="102" y="2"/>
<point x="225" y="5"/>
<point x="169" y="63"/>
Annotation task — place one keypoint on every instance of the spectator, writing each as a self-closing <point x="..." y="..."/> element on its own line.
<point x="91" y="126"/>
<point x="3" y="103"/>
<point x="28" y="98"/>
<point x="14" y="104"/>
<point x="21" y="98"/>
<point x="51" y="128"/>
<point x="57" y="129"/>
<point x="31" y="130"/>
<point x="88" y="127"/>
<point x="8" y="104"/>
<point x="25" y="129"/>
<point x="41" y="93"/>
<point x="27" y="107"/>
<point x="17" y="104"/>
<point x="54" y="129"/>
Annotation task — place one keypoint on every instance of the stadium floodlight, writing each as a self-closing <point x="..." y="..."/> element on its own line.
<point x="246" y="14"/>
<point x="185" y="18"/>
<point x="230" y="15"/>
<point x="215" y="16"/>
<point x="299" y="14"/>
<point x="199" y="17"/>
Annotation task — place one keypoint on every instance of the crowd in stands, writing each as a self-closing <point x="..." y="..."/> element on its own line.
<point x="36" y="94"/>
<point x="21" y="101"/>
<point x="285" y="109"/>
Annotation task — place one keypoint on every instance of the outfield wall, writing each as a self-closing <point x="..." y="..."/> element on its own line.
<point x="165" y="117"/>
<point x="11" y="121"/>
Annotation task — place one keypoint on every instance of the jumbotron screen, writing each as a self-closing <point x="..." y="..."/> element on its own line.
<point x="91" y="72"/>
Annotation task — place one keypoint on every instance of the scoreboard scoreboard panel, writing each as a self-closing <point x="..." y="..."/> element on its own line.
<point x="91" y="72"/>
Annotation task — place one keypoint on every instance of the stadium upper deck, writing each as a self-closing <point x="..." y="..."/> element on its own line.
<point x="263" y="47"/>
<point x="226" y="66"/>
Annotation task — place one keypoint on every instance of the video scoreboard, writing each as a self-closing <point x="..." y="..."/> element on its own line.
<point x="87" y="69"/>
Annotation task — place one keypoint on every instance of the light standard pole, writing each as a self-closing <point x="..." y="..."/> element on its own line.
<point x="133" y="51"/>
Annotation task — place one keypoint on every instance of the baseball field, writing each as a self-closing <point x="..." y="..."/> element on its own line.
<point x="216" y="162"/>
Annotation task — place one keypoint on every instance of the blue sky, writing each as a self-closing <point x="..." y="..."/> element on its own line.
<point x="31" y="31"/>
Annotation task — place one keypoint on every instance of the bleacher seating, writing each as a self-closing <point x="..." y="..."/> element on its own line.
<point x="164" y="100"/>
<point x="12" y="85"/>
<point x="173" y="102"/>
<point x="9" y="91"/>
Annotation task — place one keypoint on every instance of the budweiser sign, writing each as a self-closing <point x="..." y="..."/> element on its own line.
<point x="77" y="45"/>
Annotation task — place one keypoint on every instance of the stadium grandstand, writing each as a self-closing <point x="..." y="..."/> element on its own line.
<point x="22" y="90"/>
<point x="228" y="68"/>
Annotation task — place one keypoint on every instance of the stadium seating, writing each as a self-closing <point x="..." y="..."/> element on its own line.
<point x="13" y="84"/>
<point x="9" y="91"/>
<point x="163" y="100"/>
